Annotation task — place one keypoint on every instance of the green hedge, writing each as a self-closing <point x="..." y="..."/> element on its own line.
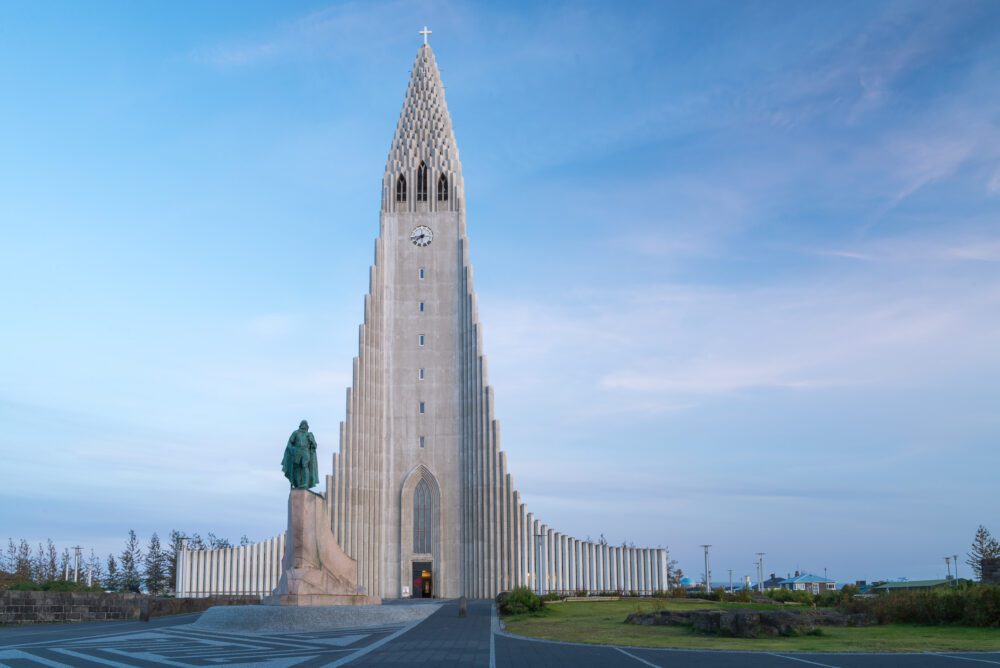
<point x="971" y="606"/>
<point x="52" y="585"/>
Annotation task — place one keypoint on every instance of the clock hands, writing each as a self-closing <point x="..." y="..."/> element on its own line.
<point x="421" y="236"/>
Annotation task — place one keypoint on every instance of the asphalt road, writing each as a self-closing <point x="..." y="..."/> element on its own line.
<point x="443" y="639"/>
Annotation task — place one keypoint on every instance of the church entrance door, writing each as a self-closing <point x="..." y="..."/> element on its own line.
<point x="423" y="581"/>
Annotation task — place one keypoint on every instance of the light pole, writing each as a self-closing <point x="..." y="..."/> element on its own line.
<point x="77" y="551"/>
<point x="760" y="571"/>
<point x="947" y="563"/>
<point x="730" y="581"/>
<point x="955" y="558"/>
<point x="708" y="572"/>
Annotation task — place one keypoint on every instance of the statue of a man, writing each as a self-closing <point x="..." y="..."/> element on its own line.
<point x="299" y="462"/>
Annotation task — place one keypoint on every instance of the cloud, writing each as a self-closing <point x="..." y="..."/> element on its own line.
<point x="950" y="246"/>
<point x="654" y="347"/>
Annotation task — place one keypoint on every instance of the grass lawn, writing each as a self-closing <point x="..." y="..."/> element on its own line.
<point x="603" y="622"/>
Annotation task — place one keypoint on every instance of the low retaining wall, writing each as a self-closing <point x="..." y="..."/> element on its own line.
<point x="47" y="607"/>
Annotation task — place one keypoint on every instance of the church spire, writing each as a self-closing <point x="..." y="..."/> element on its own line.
<point x="424" y="146"/>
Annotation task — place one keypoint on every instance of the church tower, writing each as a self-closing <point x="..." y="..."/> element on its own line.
<point x="419" y="492"/>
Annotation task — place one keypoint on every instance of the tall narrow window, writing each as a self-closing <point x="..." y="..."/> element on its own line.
<point x="401" y="188"/>
<point x="421" y="273"/>
<point x="421" y="307"/>
<point x="422" y="517"/>
<point x="421" y="441"/>
<point x="442" y="188"/>
<point x="422" y="183"/>
<point x="420" y="375"/>
<point x="421" y="339"/>
<point x="423" y="408"/>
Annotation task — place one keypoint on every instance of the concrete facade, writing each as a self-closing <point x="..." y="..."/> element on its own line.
<point x="420" y="408"/>
<point x="420" y="426"/>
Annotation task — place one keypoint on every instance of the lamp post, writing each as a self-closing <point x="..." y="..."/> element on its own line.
<point x="77" y="551"/>
<point x="708" y="572"/>
<point x="760" y="571"/>
<point x="947" y="563"/>
<point x="955" y="558"/>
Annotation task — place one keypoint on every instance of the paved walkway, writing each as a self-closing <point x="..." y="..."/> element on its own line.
<point x="443" y="639"/>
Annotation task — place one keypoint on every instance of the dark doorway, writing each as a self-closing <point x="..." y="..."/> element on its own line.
<point x="423" y="585"/>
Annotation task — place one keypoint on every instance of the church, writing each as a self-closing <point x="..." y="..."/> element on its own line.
<point x="419" y="492"/>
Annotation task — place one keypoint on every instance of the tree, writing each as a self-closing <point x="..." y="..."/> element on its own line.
<point x="217" y="543"/>
<point x="22" y="567"/>
<point x="94" y="570"/>
<point x="10" y="559"/>
<point x="156" y="567"/>
<point x="39" y="565"/>
<point x="131" y="558"/>
<point x="112" y="580"/>
<point x="244" y="541"/>
<point x="65" y="565"/>
<point x="674" y="574"/>
<point x="52" y="571"/>
<point x="176" y="543"/>
<point x="984" y="546"/>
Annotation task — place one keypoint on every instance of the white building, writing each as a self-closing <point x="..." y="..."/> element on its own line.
<point x="419" y="491"/>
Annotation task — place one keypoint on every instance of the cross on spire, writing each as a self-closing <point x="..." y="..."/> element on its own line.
<point x="425" y="32"/>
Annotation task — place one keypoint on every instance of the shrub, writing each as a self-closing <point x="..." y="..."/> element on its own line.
<point x="519" y="601"/>
<point x="52" y="585"/>
<point x="973" y="606"/>
<point x="790" y="596"/>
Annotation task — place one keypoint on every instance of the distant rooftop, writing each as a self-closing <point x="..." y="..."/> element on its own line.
<point x="806" y="577"/>
<point x="912" y="584"/>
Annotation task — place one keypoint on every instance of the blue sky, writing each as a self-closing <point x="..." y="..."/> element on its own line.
<point x="738" y="264"/>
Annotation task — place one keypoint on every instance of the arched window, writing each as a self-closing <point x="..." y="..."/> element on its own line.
<point x="442" y="188"/>
<point x="401" y="188"/>
<point x="422" y="183"/>
<point x="422" y="518"/>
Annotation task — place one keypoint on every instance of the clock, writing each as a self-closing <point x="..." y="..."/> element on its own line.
<point x="421" y="236"/>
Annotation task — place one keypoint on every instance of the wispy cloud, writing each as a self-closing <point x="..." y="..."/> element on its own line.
<point x="674" y="345"/>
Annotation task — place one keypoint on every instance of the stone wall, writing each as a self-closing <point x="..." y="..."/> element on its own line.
<point x="45" y="607"/>
<point x="991" y="571"/>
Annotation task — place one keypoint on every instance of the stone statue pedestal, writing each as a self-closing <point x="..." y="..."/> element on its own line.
<point x="316" y="570"/>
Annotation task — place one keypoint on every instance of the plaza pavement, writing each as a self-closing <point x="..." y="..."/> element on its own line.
<point x="443" y="639"/>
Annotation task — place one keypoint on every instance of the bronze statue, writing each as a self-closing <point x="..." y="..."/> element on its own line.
<point x="299" y="463"/>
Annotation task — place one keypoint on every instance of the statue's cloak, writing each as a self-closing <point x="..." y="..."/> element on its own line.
<point x="299" y="464"/>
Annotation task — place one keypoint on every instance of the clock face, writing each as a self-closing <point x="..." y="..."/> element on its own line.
<point x="421" y="235"/>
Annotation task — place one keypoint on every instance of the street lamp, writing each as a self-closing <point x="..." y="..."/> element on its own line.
<point x="76" y="562"/>
<point x="760" y="571"/>
<point x="708" y="572"/>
